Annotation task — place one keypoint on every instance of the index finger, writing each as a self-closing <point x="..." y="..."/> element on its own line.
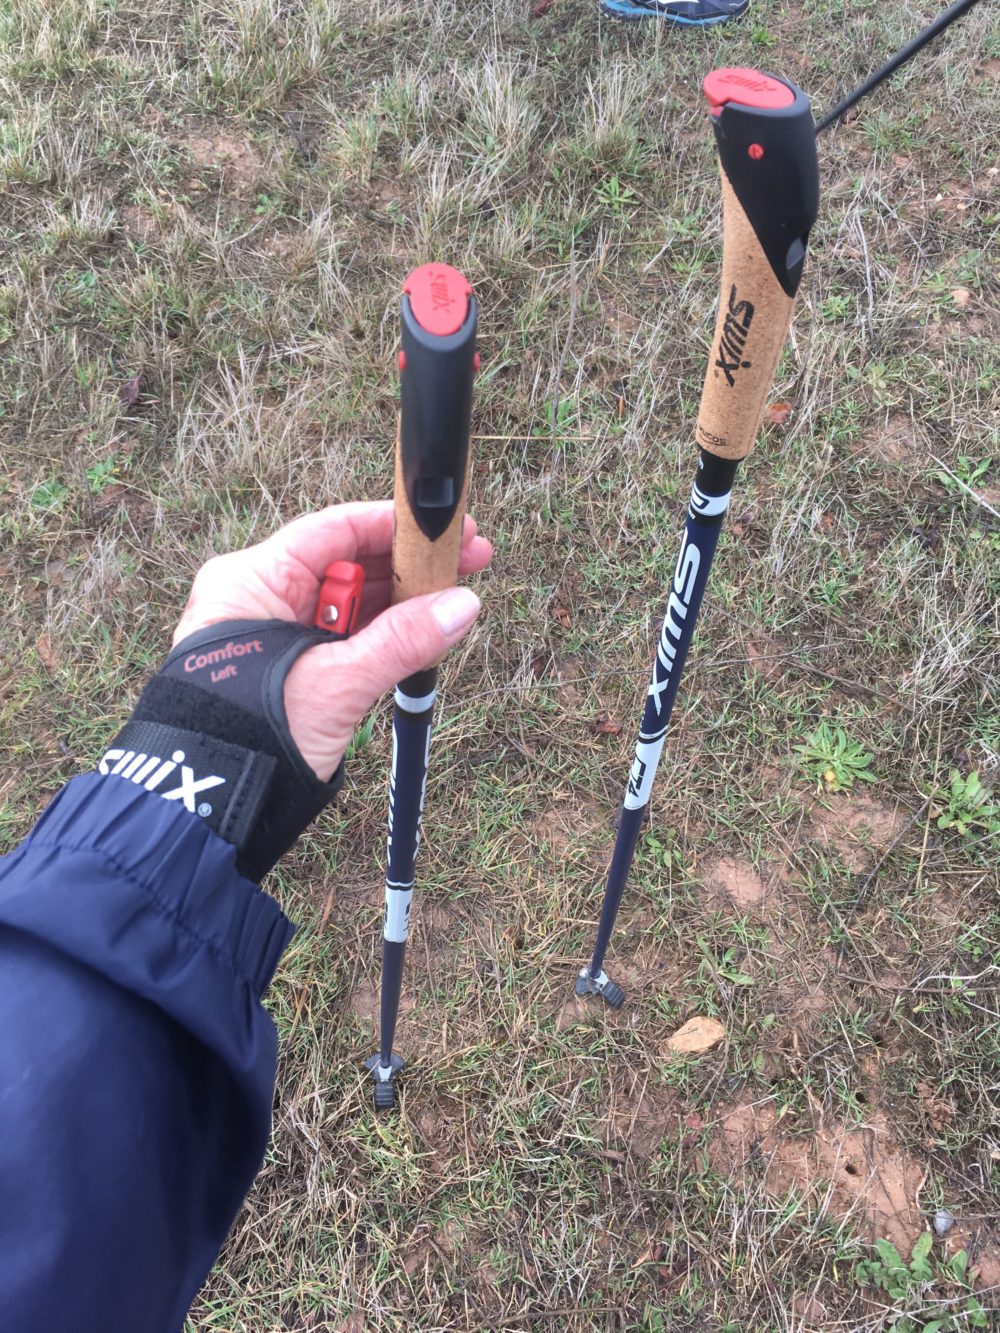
<point x="340" y="532"/>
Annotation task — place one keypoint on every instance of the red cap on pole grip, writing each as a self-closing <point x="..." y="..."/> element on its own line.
<point x="748" y="87"/>
<point x="439" y="298"/>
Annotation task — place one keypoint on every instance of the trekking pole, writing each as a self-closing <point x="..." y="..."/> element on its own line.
<point x="770" y="196"/>
<point x="437" y="363"/>
<point x="904" y="54"/>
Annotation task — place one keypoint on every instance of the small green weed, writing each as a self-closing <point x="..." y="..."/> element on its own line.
<point x="615" y="196"/>
<point x="965" y="805"/>
<point x="913" y="1286"/>
<point x="558" y="419"/>
<point x="49" y="494"/>
<point x="106" y="472"/>
<point x="833" y="761"/>
<point x="727" y="967"/>
<point x="966" y="470"/>
<point x="361" y="738"/>
<point x="761" y="37"/>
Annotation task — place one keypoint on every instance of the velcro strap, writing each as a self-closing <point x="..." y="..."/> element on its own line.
<point x="224" y="784"/>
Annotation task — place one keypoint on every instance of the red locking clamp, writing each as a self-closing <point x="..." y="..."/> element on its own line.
<point x="340" y="598"/>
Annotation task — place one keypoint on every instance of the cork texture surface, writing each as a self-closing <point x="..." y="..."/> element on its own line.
<point x="750" y="331"/>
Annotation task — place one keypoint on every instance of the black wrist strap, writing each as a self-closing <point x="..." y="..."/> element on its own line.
<point x="213" y="720"/>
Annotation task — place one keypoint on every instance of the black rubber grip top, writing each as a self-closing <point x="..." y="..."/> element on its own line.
<point x="437" y="368"/>
<point x="767" y="147"/>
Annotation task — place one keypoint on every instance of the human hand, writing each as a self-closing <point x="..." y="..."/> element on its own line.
<point x="332" y="686"/>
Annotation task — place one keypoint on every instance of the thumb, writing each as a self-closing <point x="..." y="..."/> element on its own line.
<point x="408" y="637"/>
<point x="331" y="687"/>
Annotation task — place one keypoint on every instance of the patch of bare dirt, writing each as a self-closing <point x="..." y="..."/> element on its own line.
<point x="860" y="1174"/>
<point x="435" y="1248"/>
<point x="622" y="321"/>
<point x="570" y="696"/>
<point x="939" y="1109"/>
<point x="895" y="442"/>
<point x="556" y="827"/>
<point x="983" y="1250"/>
<point x="858" y="829"/>
<point x="810" y="1308"/>
<point x="141" y="223"/>
<point x="283" y="245"/>
<point x="390" y="192"/>
<point x="576" y="1012"/>
<point x="737" y="880"/>
<point x="236" y="159"/>
<point x="364" y="1001"/>
<point x="641" y="1123"/>
<point x="811" y="1005"/>
<point x="765" y="657"/>
<point x="434" y="1128"/>
<point x="856" y="1173"/>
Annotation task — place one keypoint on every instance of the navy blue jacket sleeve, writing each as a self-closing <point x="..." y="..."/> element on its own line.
<point x="136" y="1060"/>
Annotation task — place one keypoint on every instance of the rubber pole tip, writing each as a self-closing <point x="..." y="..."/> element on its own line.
<point x="385" y="1096"/>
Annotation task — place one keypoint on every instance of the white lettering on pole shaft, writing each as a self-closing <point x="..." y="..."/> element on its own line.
<point x="708" y="505"/>
<point x="678" y="605"/>
<point x="396" y="926"/>
<point x="643" y="772"/>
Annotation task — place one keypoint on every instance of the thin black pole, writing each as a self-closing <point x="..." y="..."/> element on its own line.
<point x="437" y="363"/>
<point x="709" y="501"/>
<point x="770" y="183"/>
<point x="904" y="54"/>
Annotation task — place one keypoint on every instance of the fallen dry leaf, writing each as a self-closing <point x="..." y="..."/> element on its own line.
<point x="778" y="413"/>
<point x="47" y="652"/>
<point x="605" y="727"/>
<point x="129" y="391"/>
<point x="694" y="1123"/>
<point x="697" y="1036"/>
<point x="652" y="1254"/>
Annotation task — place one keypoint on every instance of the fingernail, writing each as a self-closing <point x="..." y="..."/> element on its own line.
<point x="455" y="609"/>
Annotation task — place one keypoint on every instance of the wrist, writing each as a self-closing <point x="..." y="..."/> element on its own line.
<point x="210" y="732"/>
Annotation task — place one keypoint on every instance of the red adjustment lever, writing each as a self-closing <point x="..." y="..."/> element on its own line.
<point x="340" y="598"/>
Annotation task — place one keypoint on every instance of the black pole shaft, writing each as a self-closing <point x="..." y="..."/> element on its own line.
<point x="904" y="54"/>
<point x="709" y="501"/>
<point x="411" y="734"/>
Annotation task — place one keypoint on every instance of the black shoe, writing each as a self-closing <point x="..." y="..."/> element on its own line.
<point x="689" y="13"/>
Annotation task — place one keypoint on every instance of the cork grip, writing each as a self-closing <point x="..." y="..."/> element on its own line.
<point x="766" y="140"/>
<point x="420" y="565"/>
<point x="750" y="331"/>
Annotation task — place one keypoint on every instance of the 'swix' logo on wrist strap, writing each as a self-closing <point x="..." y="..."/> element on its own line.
<point x="223" y="784"/>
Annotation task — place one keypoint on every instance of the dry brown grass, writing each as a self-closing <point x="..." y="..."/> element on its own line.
<point x="225" y="199"/>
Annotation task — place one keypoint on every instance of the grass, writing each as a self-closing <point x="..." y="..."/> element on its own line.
<point x="224" y="201"/>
